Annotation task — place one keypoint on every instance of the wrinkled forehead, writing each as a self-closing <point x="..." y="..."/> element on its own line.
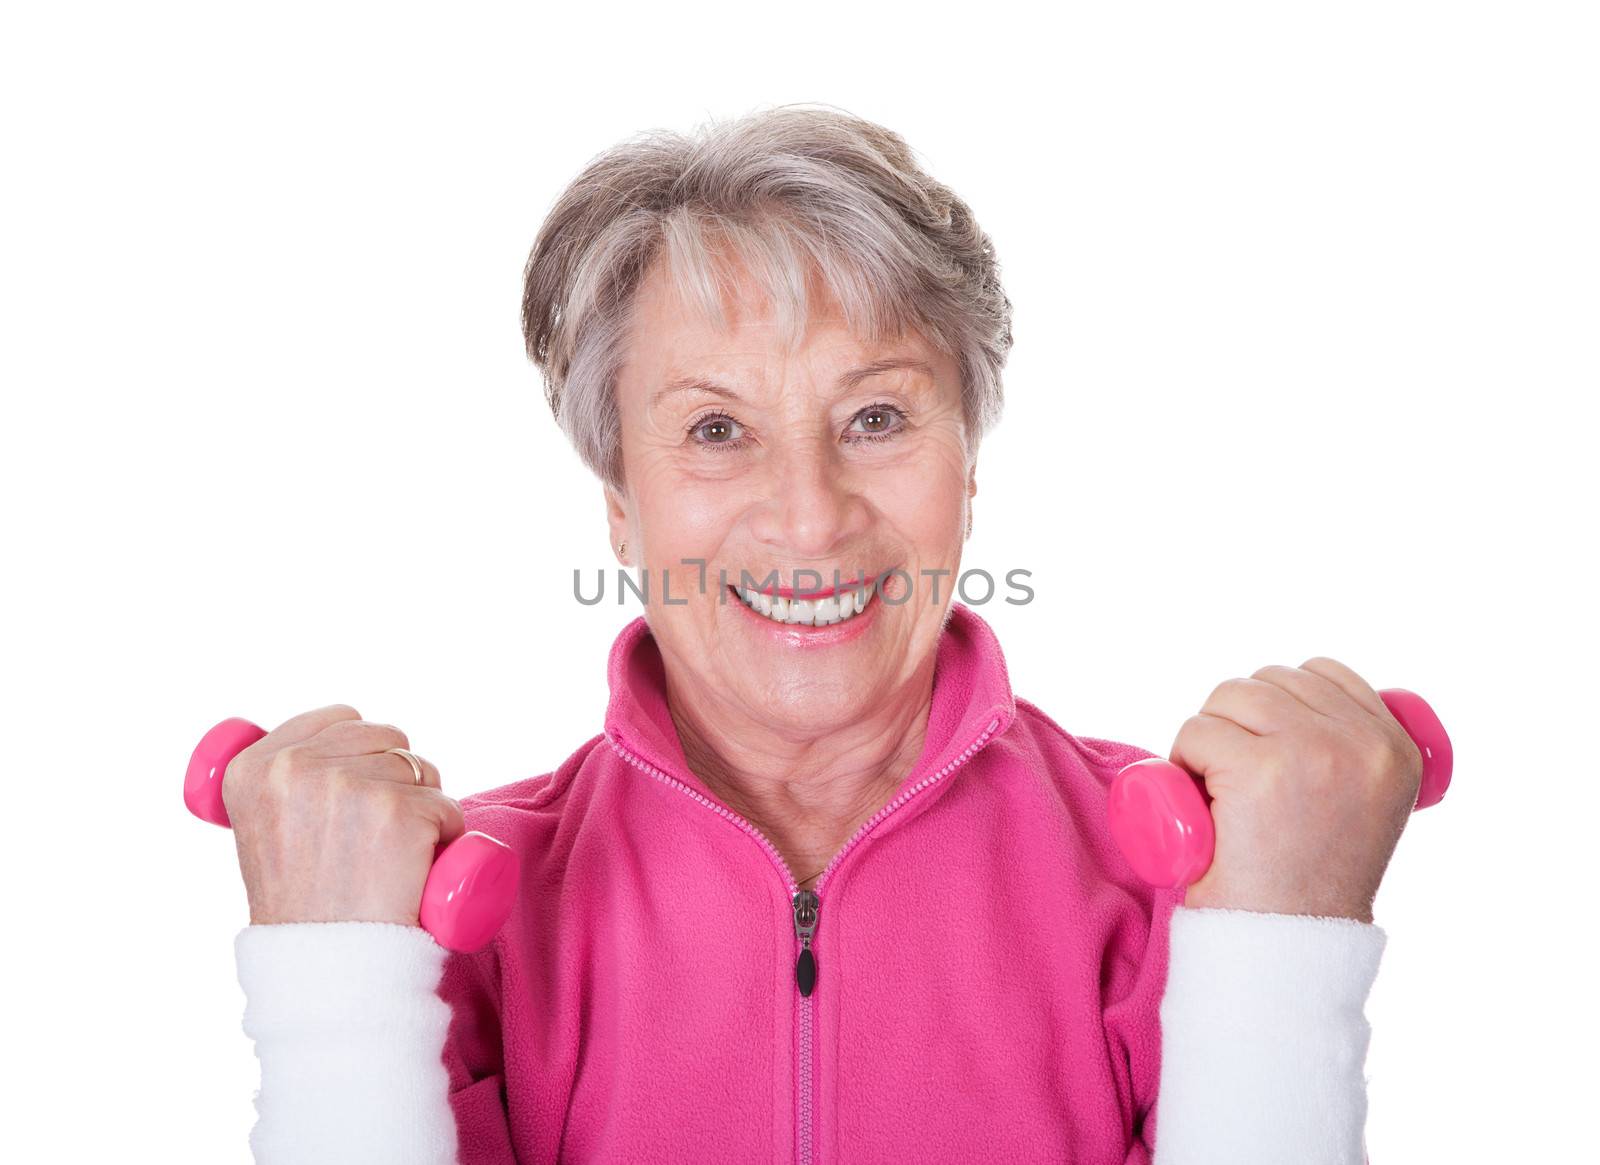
<point x="690" y="321"/>
<point x="772" y="277"/>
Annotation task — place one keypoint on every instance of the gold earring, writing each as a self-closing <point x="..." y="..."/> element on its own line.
<point x="622" y="548"/>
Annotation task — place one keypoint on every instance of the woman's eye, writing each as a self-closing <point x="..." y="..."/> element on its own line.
<point x="879" y="421"/>
<point x="716" y="430"/>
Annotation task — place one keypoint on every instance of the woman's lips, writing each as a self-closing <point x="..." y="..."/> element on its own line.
<point x="805" y="634"/>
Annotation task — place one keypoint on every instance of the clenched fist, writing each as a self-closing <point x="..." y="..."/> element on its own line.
<point x="1311" y="781"/>
<point x="329" y="826"/>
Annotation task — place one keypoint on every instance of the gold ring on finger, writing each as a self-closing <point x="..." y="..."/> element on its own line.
<point x="412" y="759"/>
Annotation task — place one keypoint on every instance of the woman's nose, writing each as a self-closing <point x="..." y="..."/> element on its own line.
<point x="812" y="506"/>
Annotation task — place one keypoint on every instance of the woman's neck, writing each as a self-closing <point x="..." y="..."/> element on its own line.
<point x="807" y="794"/>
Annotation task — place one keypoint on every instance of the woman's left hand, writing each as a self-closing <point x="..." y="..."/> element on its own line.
<point x="1312" y="781"/>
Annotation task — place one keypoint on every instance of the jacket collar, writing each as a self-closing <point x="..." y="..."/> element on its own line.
<point x="971" y="702"/>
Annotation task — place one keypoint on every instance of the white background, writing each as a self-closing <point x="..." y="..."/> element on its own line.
<point x="1306" y="361"/>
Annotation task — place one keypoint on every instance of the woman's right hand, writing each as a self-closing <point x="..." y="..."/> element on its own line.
<point x="329" y="826"/>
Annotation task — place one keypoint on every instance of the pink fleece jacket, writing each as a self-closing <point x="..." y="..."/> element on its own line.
<point x="988" y="973"/>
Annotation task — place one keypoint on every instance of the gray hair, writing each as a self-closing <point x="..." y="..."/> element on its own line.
<point x="789" y="191"/>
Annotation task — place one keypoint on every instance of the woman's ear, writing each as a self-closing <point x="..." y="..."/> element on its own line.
<point x="617" y="521"/>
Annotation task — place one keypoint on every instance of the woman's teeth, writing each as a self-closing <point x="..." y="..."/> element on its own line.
<point x="808" y="612"/>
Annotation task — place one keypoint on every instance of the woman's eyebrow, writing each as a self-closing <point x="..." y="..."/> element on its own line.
<point x="889" y="364"/>
<point x="846" y="382"/>
<point x="692" y="384"/>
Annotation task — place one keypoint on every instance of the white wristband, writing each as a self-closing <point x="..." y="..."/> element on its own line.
<point x="1264" y="1039"/>
<point x="350" y="1031"/>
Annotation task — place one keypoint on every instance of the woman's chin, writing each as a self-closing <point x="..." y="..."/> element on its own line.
<point x="812" y="707"/>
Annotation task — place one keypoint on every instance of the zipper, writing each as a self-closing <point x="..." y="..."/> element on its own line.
<point x="805" y="925"/>
<point x="807" y="908"/>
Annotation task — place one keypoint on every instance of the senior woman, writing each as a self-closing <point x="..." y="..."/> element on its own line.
<point x="824" y="889"/>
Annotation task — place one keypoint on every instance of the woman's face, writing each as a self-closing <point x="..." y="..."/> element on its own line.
<point x="749" y="460"/>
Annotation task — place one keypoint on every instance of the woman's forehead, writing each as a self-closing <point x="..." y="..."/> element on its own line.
<point x="676" y="343"/>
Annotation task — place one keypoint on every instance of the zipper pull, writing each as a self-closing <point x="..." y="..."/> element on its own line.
<point x="806" y="903"/>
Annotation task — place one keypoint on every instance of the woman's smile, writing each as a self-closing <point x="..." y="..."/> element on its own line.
<point x="822" y="621"/>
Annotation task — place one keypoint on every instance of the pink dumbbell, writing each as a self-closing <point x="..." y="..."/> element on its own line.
<point x="470" y="889"/>
<point x="1160" y="815"/>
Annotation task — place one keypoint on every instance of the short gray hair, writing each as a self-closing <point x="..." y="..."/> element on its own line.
<point x="789" y="190"/>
